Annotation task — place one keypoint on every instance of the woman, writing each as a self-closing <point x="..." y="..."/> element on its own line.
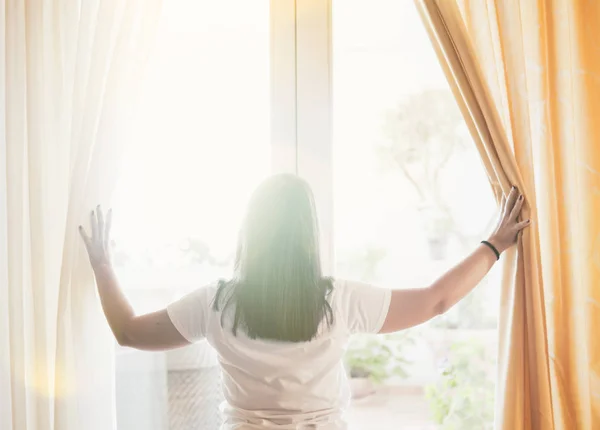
<point x="279" y="326"/>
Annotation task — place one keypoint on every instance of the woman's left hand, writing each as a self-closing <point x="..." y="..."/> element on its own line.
<point x="98" y="245"/>
<point x="509" y="226"/>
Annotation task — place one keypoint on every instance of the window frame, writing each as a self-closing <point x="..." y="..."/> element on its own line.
<point x="301" y="120"/>
<point x="301" y="103"/>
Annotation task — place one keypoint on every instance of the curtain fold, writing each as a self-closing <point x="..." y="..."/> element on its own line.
<point x="526" y="76"/>
<point x="70" y="72"/>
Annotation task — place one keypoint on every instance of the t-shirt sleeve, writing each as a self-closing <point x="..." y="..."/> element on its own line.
<point x="190" y="313"/>
<point x="363" y="306"/>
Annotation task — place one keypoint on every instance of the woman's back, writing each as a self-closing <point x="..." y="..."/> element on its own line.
<point x="278" y="384"/>
<point x="281" y="327"/>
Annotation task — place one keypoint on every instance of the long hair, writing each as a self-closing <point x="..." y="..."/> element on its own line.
<point x="278" y="291"/>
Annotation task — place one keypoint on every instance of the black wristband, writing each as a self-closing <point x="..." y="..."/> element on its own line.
<point x="493" y="248"/>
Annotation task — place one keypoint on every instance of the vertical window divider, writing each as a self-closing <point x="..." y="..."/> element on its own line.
<point x="284" y="91"/>
<point x="314" y="112"/>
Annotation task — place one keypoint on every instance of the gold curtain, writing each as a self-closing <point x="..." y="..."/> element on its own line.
<point x="526" y="75"/>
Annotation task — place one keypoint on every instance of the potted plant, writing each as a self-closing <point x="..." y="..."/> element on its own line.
<point x="373" y="359"/>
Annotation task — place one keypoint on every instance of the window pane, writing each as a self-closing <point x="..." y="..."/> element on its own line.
<point x="411" y="199"/>
<point x="201" y="143"/>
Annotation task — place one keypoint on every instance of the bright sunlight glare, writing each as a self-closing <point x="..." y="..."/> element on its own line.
<point x="201" y="140"/>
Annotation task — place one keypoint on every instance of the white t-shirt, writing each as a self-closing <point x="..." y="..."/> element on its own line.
<point x="284" y="385"/>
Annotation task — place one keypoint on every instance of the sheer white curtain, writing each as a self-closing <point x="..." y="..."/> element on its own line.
<point x="69" y="70"/>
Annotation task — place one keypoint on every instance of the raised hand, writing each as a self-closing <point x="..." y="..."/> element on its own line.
<point x="98" y="245"/>
<point x="507" y="231"/>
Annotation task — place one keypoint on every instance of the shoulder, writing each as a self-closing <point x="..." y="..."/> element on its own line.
<point x="201" y="296"/>
<point x="207" y="291"/>
<point x="344" y="289"/>
<point x="190" y="314"/>
<point x="344" y="292"/>
<point x="361" y="305"/>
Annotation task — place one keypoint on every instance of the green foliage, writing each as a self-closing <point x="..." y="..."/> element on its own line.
<point x="463" y="397"/>
<point x="378" y="357"/>
<point x="425" y="128"/>
<point x="425" y="132"/>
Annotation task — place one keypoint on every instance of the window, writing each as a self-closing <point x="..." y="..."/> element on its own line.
<point x="200" y="144"/>
<point x="410" y="198"/>
<point x="349" y="94"/>
<point x="201" y="141"/>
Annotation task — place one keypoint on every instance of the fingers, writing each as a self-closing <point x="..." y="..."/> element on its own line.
<point x="522" y="225"/>
<point x="107" y="227"/>
<point x="516" y="210"/>
<point x="511" y="200"/>
<point x="99" y="226"/>
<point x="86" y="239"/>
<point x="100" y="217"/>
<point x="94" y="225"/>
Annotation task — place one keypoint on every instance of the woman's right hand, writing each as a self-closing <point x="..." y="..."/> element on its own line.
<point x="98" y="244"/>
<point x="507" y="231"/>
